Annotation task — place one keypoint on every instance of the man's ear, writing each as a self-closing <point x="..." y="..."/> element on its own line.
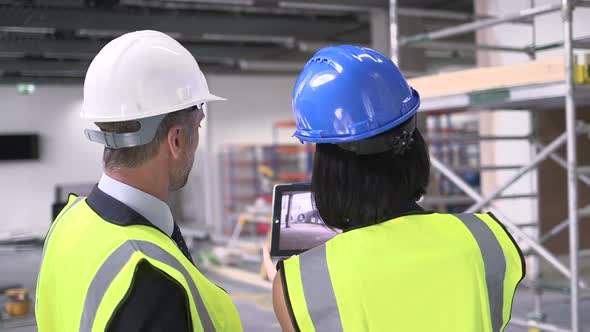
<point x="175" y="141"/>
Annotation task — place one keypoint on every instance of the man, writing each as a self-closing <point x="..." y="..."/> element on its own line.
<point x="116" y="260"/>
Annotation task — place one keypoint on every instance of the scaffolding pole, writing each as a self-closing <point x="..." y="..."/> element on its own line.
<point x="583" y="212"/>
<point x="460" y="46"/>
<point x="473" y="26"/>
<point x="512" y="226"/>
<point x="436" y="14"/>
<point x="447" y="15"/>
<point x="393" y="33"/>
<point x="556" y="144"/>
<point x="532" y="50"/>
<point x="537" y="314"/>
<point x="570" y="121"/>
<point x="561" y="162"/>
<point x="541" y="156"/>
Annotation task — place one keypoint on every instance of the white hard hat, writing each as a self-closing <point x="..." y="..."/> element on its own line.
<point x="140" y="75"/>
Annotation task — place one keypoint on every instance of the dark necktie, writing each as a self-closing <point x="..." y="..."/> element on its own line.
<point x="177" y="237"/>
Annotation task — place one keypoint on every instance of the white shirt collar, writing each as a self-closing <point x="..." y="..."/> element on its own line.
<point x="153" y="209"/>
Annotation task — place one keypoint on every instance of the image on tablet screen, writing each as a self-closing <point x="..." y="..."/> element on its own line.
<point x="301" y="227"/>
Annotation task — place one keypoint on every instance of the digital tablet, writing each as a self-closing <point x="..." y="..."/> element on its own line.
<point x="296" y="225"/>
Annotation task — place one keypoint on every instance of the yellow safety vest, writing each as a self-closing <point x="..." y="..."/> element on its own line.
<point x="423" y="272"/>
<point x="88" y="267"/>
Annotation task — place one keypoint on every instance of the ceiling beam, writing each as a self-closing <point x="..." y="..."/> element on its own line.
<point x="88" y="48"/>
<point x="28" y="68"/>
<point x="334" y="5"/>
<point x="185" y="23"/>
<point x="40" y="68"/>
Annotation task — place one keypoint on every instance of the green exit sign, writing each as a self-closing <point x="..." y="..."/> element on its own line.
<point x="25" y="88"/>
<point x="487" y="97"/>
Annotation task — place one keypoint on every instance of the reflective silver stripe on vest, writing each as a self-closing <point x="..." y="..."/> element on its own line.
<point x="318" y="290"/>
<point x="494" y="263"/>
<point x="113" y="266"/>
<point x="78" y="200"/>
<point x="321" y="301"/>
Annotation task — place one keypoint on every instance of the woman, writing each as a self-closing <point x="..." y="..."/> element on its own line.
<point x="395" y="267"/>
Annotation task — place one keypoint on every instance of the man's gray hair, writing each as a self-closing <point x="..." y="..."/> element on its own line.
<point x="137" y="155"/>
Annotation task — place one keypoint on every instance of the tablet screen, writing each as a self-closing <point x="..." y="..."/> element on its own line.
<point x="297" y="225"/>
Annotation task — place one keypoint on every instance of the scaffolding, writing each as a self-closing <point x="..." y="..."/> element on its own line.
<point x="523" y="97"/>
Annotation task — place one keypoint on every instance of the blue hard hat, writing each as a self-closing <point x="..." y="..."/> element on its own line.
<point x="348" y="93"/>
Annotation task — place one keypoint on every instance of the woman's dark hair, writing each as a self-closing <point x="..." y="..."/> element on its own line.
<point x="360" y="190"/>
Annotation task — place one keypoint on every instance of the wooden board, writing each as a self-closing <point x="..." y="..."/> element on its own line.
<point x="540" y="71"/>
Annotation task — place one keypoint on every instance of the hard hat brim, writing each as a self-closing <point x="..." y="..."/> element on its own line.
<point x="215" y="98"/>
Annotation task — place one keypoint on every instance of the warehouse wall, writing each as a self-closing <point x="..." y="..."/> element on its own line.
<point x="253" y="104"/>
<point x="27" y="188"/>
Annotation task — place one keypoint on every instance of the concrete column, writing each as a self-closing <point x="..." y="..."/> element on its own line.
<point x="500" y="123"/>
<point x="379" y="20"/>
<point x="412" y="60"/>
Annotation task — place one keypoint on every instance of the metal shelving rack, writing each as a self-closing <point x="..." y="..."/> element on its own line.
<point x="242" y="177"/>
<point x="281" y="155"/>
<point x="530" y="97"/>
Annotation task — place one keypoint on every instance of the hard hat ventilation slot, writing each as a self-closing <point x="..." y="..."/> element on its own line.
<point x="398" y="141"/>
<point x="326" y="60"/>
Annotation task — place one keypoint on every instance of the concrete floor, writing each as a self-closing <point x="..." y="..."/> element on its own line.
<point x="253" y="302"/>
